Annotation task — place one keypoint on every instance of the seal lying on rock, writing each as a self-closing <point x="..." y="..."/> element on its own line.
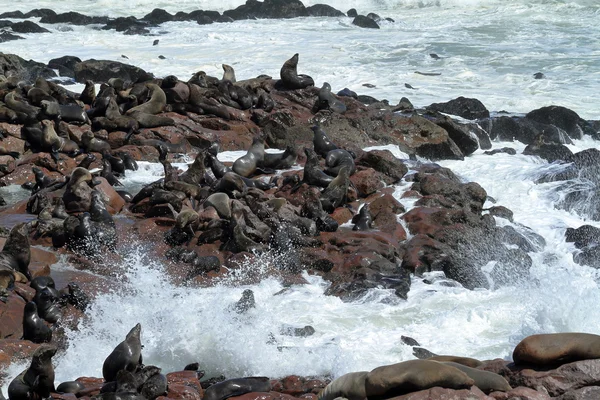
<point x="411" y="376"/>
<point x="237" y="387"/>
<point x="16" y="253"/>
<point x="34" y="328"/>
<point x="556" y="348"/>
<point x="350" y="386"/>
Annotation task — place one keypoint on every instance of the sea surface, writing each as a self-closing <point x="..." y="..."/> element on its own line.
<point x="489" y="50"/>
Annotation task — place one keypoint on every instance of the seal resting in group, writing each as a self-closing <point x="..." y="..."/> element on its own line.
<point x="556" y="348"/>
<point x="411" y="376"/>
<point x="16" y="253"/>
<point x="350" y="386"/>
<point x="237" y="387"/>
<point x="126" y="356"/>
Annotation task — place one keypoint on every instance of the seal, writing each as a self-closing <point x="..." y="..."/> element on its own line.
<point x="25" y="111"/>
<point x="88" y="94"/>
<point x="321" y="142"/>
<point x="469" y="362"/>
<point x="338" y="158"/>
<point x="155" y="385"/>
<point x="327" y="101"/>
<point x="87" y="161"/>
<point x="148" y="120"/>
<point x="363" y="221"/>
<point x="245" y="302"/>
<point x="47" y="301"/>
<point x="126" y="356"/>
<point x="70" y="386"/>
<point x="156" y="104"/>
<point x="283" y="160"/>
<point x="236" y="387"/>
<point x="313" y="175"/>
<point x="411" y="376"/>
<point x="556" y="348"/>
<point x="37" y="381"/>
<point x="334" y="194"/>
<point x="51" y="142"/>
<point x="77" y="196"/>
<point x="128" y="161"/>
<point x="105" y="231"/>
<point x="289" y="75"/>
<point x="195" y="173"/>
<point x="221" y="203"/>
<point x="91" y="144"/>
<point x="34" y="328"/>
<point x="217" y="167"/>
<point x="486" y="381"/>
<point x="228" y="73"/>
<point x="350" y="386"/>
<point x="232" y="184"/>
<point x="247" y="164"/>
<point x="41" y="181"/>
<point x="16" y="253"/>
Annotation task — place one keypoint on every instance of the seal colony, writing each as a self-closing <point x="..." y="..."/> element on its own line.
<point x="210" y="215"/>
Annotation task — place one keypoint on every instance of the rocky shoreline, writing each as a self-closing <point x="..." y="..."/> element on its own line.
<point x="209" y="220"/>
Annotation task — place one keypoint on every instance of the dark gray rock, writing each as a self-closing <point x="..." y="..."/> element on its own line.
<point x="103" y="70"/>
<point x="365" y="22"/>
<point x="463" y="107"/>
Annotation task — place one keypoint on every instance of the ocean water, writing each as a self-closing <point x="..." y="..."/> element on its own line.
<point x="490" y="50"/>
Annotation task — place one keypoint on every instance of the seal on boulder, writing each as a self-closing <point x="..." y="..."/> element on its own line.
<point x="411" y="376"/>
<point x="237" y="387"/>
<point x="16" y="253"/>
<point x="327" y="101"/>
<point x="156" y="104"/>
<point x="246" y="165"/>
<point x="486" y="381"/>
<point x="34" y="328"/>
<point x="350" y="386"/>
<point x="557" y="348"/>
<point x="37" y="381"/>
<point x="126" y="356"/>
<point x="290" y="77"/>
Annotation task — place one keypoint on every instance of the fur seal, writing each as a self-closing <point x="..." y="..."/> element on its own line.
<point x="363" y="221"/>
<point x="126" y="356"/>
<point x="16" y="253"/>
<point x="321" y="142"/>
<point x="338" y="158"/>
<point x="156" y="104"/>
<point x="283" y="160"/>
<point x="51" y="142"/>
<point x="334" y="194"/>
<point x="34" y="328"/>
<point x="37" y="381"/>
<point x="228" y="73"/>
<point x="247" y="164"/>
<point x="327" y="101"/>
<point x="47" y="302"/>
<point x="88" y="94"/>
<point x="486" y="381"/>
<point x="557" y="348"/>
<point x="313" y="175"/>
<point x="25" y="111"/>
<point x="77" y="196"/>
<point x="217" y="167"/>
<point x="90" y="143"/>
<point x="245" y="303"/>
<point x="155" y="385"/>
<point x="87" y="161"/>
<point x="467" y="361"/>
<point x="221" y="203"/>
<point x="290" y="77"/>
<point x="70" y="386"/>
<point x="105" y="229"/>
<point x="195" y="172"/>
<point x="410" y="376"/>
<point x="41" y="181"/>
<point x="236" y="387"/>
<point x="349" y="386"/>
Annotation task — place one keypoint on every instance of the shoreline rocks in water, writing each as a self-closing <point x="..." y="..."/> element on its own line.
<point x="252" y="9"/>
<point x="210" y="217"/>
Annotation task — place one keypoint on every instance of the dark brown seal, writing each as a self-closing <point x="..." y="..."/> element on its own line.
<point x="557" y="348"/>
<point x="290" y="77"/>
<point x="126" y="356"/>
<point x="37" y="381"/>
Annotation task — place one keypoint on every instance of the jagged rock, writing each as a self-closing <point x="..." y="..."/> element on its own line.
<point x="28" y="27"/>
<point x="13" y="65"/>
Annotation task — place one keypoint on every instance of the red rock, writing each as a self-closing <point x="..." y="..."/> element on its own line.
<point x="422" y="253"/>
<point x="524" y="393"/>
<point x="14" y="130"/>
<point x="115" y="202"/>
<point x="63" y="396"/>
<point x="342" y="215"/>
<point x="15" y="350"/>
<point x="292" y="385"/>
<point x="116" y="139"/>
<point x="11" y="315"/>
<point x="179" y="391"/>
<point x="368" y="181"/>
<point x="438" y="393"/>
<point x="188" y="378"/>
<point x="314" y="386"/>
<point x="254" y="396"/>
<point x="9" y="163"/>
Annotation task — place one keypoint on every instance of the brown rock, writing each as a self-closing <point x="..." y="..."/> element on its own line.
<point x="188" y="378"/>
<point x="115" y="202"/>
<point x="384" y="161"/>
<point x="11" y="315"/>
<point x="15" y="350"/>
<point x="438" y="393"/>
<point x="292" y="385"/>
<point x="520" y="393"/>
<point x="341" y="215"/>
<point x="368" y="181"/>
<point x="180" y="391"/>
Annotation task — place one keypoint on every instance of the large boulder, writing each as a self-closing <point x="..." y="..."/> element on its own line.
<point x="463" y="107"/>
<point x="561" y="117"/>
<point x="103" y="70"/>
<point x="268" y="9"/>
<point x="365" y="22"/>
<point x="13" y="65"/>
